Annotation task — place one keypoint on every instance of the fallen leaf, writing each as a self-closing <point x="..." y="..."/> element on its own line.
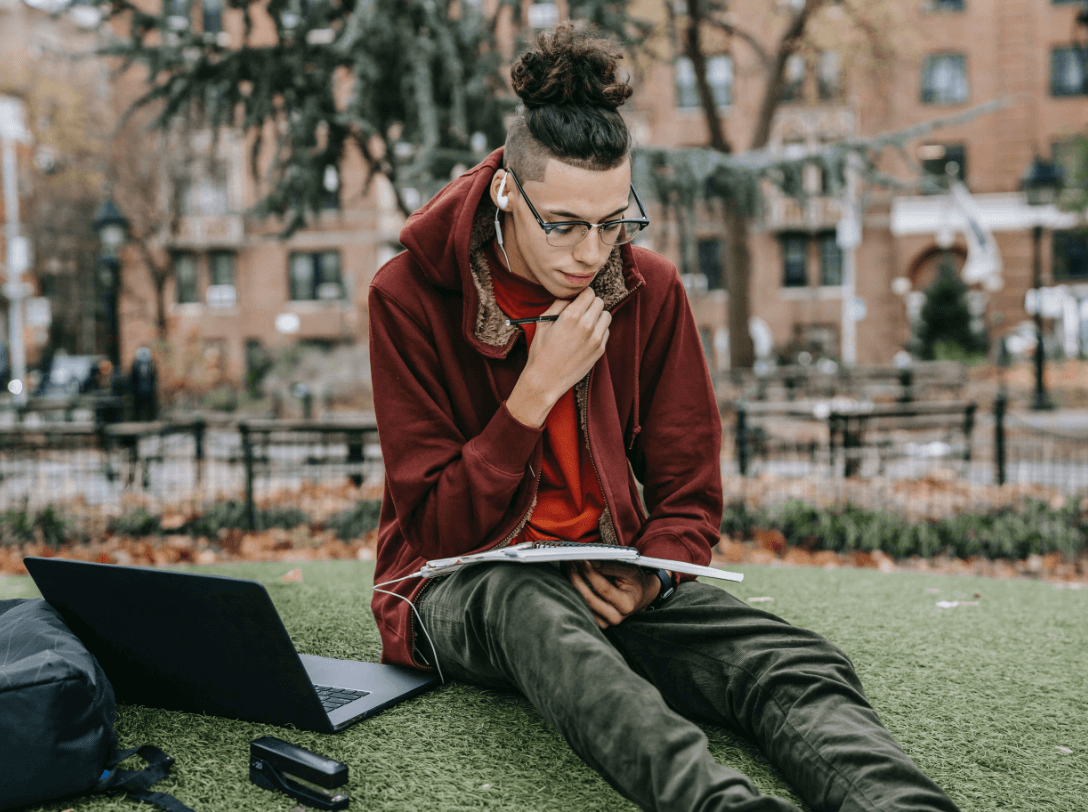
<point x="759" y="600"/>
<point x="172" y="521"/>
<point x="1065" y="750"/>
<point x="293" y="575"/>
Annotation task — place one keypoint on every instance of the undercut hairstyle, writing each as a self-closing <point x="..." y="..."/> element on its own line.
<point x="570" y="97"/>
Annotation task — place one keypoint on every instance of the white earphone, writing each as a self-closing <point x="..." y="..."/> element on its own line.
<point x="503" y="200"/>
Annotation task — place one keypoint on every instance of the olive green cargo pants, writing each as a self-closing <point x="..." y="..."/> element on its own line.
<point x="623" y="697"/>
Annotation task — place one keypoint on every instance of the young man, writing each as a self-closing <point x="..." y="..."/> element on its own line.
<point x="495" y="433"/>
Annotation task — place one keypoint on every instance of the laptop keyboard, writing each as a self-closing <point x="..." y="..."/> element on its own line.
<point x="333" y="698"/>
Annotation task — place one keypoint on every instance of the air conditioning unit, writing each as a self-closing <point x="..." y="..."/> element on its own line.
<point x="330" y="290"/>
<point x="222" y="296"/>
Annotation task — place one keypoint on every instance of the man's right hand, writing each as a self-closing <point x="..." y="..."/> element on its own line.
<point x="561" y="354"/>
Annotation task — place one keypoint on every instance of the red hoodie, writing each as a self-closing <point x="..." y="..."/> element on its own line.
<point x="461" y="474"/>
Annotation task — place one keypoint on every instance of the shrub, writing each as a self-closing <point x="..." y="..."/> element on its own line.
<point x="1030" y="527"/>
<point x="18" y="526"/>
<point x="136" y="523"/>
<point x="357" y="521"/>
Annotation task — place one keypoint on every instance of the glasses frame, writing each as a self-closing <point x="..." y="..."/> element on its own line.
<point x="641" y="222"/>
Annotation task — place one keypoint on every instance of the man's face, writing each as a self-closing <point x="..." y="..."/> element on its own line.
<point x="566" y="193"/>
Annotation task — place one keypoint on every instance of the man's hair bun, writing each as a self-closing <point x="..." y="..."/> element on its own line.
<point x="568" y="67"/>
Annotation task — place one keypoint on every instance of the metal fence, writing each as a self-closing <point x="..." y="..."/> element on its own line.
<point x="92" y="477"/>
<point x="919" y="460"/>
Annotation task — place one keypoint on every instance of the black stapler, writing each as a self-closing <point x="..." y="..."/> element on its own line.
<point x="304" y="775"/>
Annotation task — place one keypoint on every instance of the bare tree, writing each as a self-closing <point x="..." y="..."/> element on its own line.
<point x="773" y="58"/>
<point x="150" y="175"/>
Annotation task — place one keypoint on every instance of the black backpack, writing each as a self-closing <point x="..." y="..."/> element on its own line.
<point x="57" y="713"/>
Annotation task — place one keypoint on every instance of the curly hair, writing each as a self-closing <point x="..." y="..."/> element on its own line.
<point x="570" y="90"/>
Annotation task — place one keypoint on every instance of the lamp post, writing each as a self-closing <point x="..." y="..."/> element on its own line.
<point x="111" y="226"/>
<point x="1041" y="185"/>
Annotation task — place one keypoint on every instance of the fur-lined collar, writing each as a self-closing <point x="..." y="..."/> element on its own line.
<point x="491" y="327"/>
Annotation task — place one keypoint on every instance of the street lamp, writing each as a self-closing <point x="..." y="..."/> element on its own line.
<point x="1042" y="185"/>
<point x="111" y="226"/>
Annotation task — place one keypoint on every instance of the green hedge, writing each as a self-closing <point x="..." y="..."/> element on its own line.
<point x="348" y="524"/>
<point x="1012" y="532"/>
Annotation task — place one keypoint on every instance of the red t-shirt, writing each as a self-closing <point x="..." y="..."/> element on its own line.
<point x="569" y="500"/>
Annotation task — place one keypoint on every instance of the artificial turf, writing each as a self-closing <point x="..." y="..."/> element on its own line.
<point x="991" y="700"/>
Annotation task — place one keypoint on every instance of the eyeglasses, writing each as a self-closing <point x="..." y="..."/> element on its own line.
<point x="571" y="232"/>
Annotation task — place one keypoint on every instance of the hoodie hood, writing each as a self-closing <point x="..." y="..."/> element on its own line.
<point x="447" y="237"/>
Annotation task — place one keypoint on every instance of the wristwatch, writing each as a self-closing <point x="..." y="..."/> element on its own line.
<point x="668" y="586"/>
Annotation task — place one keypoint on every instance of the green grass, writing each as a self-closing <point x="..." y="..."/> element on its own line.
<point x="982" y="697"/>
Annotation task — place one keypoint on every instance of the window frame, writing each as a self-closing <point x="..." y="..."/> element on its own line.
<point x="317" y="277"/>
<point x="176" y="259"/>
<point x="794" y="280"/>
<point x="718" y="90"/>
<point x="716" y="279"/>
<point x="1060" y="269"/>
<point x="824" y="239"/>
<point x="1070" y="52"/>
<point x="929" y="67"/>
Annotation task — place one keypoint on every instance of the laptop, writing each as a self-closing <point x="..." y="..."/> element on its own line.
<point x="212" y="644"/>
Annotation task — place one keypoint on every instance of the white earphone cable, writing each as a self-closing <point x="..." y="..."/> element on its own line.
<point x="415" y="611"/>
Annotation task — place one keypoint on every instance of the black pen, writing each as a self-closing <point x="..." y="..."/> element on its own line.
<point x="533" y="320"/>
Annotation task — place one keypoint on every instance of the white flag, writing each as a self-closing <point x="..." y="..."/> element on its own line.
<point x="983" y="258"/>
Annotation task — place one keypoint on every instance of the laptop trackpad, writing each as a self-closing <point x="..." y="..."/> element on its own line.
<point x="385" y="684"/>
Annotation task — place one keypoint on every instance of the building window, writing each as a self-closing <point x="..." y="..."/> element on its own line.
<point x="1070" y="255"/>
<point x="937" y="161"/>
<point x="793" y="80"/>
<point x="1071" y="155"/>
<point x="829" y="76"/>
<point x="212" y="13"/>
<point x="948" y="5"/>
<point x="944" y="79"/>
<point x="794" y="260"/>
<point x="204" y="193"/>
<point x="710" y="263"/>
<point x="832" y="173"/>
<point x="1067" y="72"/>
<point x="315" y="276"/>
<point x="830" y="260"/>
<point x="176" y="13"/>
<point x="221" y="291"/>
<point x="719" y="75"/>
<point x="186" y="278"/>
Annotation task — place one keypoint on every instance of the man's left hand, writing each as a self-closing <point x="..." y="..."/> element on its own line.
<point x="613" y="590"/>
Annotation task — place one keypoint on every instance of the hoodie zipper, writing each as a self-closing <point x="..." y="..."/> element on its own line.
<point x="593" y="460"/>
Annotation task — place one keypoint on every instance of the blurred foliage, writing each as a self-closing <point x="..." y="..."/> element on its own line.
<point x="348" y="525"/>
<point x="48" y="525"/>
<point x="1031" y="527"/>
<point x="355" y="522"/>
<point x="414" y="87"/>
<point x="945" y="321"/>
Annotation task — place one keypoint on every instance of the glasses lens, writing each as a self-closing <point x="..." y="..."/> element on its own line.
<point x="567" y="235"/>
<point x="620" y="233"/>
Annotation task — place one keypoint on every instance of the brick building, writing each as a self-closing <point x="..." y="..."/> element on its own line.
<point x="931" y="59"/>
<point x="236" y="286"/>
<point x="57" y="175"/>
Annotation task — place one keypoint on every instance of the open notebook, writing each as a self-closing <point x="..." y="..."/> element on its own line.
<point x="531" y="553"/>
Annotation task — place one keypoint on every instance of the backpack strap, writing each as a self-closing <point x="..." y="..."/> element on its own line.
<point x="137" y="783"/>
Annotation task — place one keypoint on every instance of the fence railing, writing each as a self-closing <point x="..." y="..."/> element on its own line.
<point x="919" y="459"/>
<point x="94" y="474"/>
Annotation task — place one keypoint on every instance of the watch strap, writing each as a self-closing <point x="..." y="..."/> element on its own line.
<point x="668" y="587"/>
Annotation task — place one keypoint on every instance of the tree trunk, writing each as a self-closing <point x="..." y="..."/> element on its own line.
<point x="160" y="306"/>
<point x="738" y="273"/>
